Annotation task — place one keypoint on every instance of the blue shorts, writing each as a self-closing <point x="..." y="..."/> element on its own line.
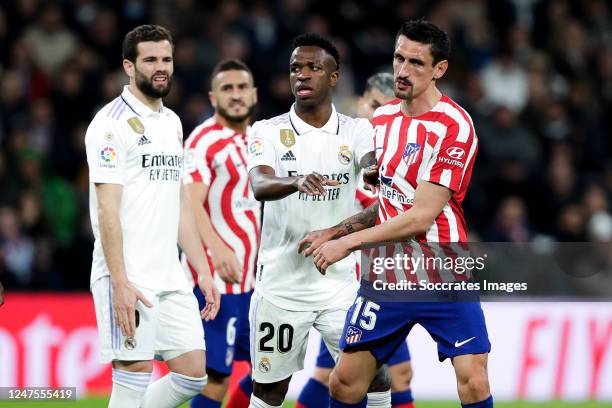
<point x="325" y="360"/>
<point x="227" y="337"/>
<point x="458" y="328"/>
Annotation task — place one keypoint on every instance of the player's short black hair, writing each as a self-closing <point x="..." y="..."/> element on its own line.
<point x="424" y="32"/>
<point x="316" y="40"/>
<point x="383" y="81"/>
<point x="229" y="65"/>
<point x="143" y="33"/>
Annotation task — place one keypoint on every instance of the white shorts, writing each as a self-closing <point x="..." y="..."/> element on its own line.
<point x="168" y="329"/>
<point x="279" y="337"/>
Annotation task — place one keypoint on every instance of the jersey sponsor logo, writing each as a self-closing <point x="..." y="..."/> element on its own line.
<point x="287" y="137"/>
<point x="392" y="194"/>
<point x="353" y="335"/>
<point x="256" y="148"/>
<point x="384" y="180"/>
<point x="245" y="204"/>
<point x="163" y="167"/>
<point x="331" y="193"/>
<point x="108" y="157"/>
<point x="344" y="155"/>
<point x="289" y="156"/>
<point x="455" y="152"/>
<point x="341" y="178"/>
<point x="143" y="141"/>
<point x="411" y="152"/>
<point x="136" y="125"/>
<point x="450" y="162"/>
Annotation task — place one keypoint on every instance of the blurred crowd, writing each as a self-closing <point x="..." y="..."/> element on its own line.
<point x="536" y="77"/>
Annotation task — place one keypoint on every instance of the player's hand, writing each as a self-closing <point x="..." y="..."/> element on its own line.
<point x="315" y="239"/>
<point x="225" y="263"/>
<point x="314" y="183"/>
<point x="370" y="178"/>
<point x="329" y="253"/>
<point x="124" y="299"/>
<point x="211" y="295"/>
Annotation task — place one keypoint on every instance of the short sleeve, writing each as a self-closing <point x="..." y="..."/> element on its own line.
<point x="451" y="159"/>
<point x="364" y="139"/>
<point x="106" y="153"/>
<point x="261" y="147"/>
<point x="197" y="164"/>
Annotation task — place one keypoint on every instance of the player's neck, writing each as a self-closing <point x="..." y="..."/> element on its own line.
<point x="316" y="116"/>
<point x="152" y="103"/>
<point x="423" y="103"/>
<point x="238" y="127"/>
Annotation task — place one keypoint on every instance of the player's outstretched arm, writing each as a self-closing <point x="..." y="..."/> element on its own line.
<point x="429" y="201"/>
<point x="267" y="186"/>
<point x="124" y="295"/>
<point x="189" y="241"/>
<point x="223" y="258"/>
<point x="362" y="220"/>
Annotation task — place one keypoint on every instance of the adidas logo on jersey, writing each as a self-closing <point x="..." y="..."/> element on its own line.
<point x="288" y="156"/>
<point x="143" y="140"/>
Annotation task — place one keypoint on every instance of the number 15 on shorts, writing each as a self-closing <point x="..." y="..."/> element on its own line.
<point x="365" y="313"/>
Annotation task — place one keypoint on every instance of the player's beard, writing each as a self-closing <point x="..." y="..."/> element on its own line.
<point x="235" y="118"/>
<point x="146" y="85"/>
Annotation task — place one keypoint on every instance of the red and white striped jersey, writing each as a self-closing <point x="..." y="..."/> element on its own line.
<point x="216" y="156"/>
<point x="440" y="147"/>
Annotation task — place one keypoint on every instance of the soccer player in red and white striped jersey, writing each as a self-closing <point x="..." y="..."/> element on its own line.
<point x="228" y="218"/>
<point x="425" y="148"/>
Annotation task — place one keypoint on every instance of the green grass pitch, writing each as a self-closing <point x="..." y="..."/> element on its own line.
<point x="100" y="402"/>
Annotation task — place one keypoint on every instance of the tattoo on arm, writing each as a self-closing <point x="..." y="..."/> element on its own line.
<point x="362" y="220"/>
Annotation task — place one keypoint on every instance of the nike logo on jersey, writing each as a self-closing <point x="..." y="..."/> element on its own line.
<point x="289" y="156"/>
<point x="143" y="140"/>
<point x="461" y="343"/>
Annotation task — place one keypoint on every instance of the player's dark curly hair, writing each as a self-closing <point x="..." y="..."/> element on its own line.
<point x="141" y="34"/>
<point x="316" y="40"/>
<point x="424" y="32"/>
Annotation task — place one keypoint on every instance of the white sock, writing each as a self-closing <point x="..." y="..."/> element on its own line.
<point x="379" y="399"/>
<point x="128" y="388"/>
<point x="172" y="390"/>
<point x="257" y="403"/>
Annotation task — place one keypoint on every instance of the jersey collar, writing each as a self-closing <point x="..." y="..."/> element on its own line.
<point x="136" y="106"/>
<point x="332" y="126"/>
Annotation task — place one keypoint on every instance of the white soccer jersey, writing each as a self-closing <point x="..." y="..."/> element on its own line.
<point x="129" y="144"/>
<point x="292" y="147"/>
<point x="216" y="156"/>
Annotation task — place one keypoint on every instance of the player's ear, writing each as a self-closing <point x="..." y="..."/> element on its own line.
<point x="128" y="67"/>
<point x="212" y="99"/>
<point x="440" y="69"/>
<point x="334" y="78"/>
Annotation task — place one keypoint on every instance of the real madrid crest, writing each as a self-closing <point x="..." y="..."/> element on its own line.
<point x="129" y="343"/>
<point x="287" y="137"/>
<point x="344" y="155"/>
<point x="136" y="125"/>
<point x="264" y="365"/>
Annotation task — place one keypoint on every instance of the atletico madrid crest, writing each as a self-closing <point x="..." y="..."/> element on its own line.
<point x="353" y="335"/>
<point x="411" y="153"/>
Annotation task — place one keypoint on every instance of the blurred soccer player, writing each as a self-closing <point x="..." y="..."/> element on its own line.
<point x="228" y="218"/>
<point x="426" y="146"/>
<point x="378" y="91"/>
<point x="138" y="207"/>
<point x="304" y="164"/>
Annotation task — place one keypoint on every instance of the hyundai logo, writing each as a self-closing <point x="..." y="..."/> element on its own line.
<point x="456" y="153"/>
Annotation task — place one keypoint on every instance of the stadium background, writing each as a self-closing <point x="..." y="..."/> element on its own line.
<point x="536" y="76"/>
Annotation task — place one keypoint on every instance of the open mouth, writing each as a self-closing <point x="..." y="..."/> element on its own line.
<point x="160" y="80"/>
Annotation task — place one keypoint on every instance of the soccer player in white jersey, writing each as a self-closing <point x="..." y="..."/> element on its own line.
<point x="378" y="91"/>
<point x="228" y="218"/>
<point x="304" y="164"/>
<point x="139" y="212"/>
<point x="426" y="145"/>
